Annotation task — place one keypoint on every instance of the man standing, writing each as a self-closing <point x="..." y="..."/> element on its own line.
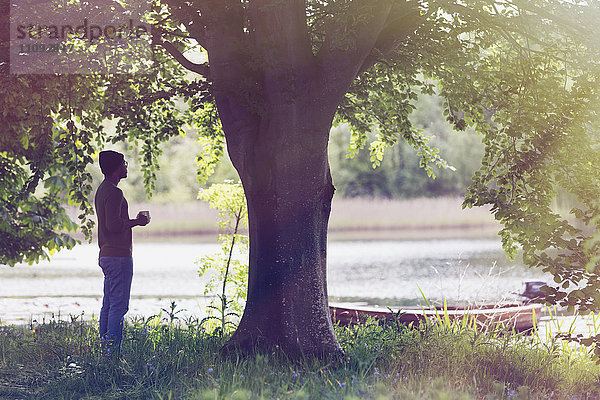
<point x="114" y="240"/>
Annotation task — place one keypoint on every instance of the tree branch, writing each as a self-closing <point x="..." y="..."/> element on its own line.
<point x="189" y="89"/>
<point x="201" y="69"/>
<point x="400" y="24"/>
<point x="347" y="47"/>
<point x="190" y="18"/>
<point x="565" y="20"/>
<point x="177" y="34"/>
<point x="506" y="26"/>
<point x="281" y="29"/>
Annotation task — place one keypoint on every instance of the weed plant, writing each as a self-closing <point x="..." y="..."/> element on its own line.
<point x="173" y="359"/>
<point x="229" y="273"/>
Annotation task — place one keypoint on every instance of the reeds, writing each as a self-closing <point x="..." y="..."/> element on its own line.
<point x="351" y="218"/>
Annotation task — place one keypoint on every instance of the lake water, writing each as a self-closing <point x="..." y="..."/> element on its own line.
<point x="366" y="272"/>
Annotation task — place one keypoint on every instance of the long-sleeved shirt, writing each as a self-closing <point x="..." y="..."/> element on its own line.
<point x="114" y="231"/>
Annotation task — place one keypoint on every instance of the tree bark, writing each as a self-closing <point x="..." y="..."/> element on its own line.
<point x="285" y="174"/>
<point x="276" y="117"/>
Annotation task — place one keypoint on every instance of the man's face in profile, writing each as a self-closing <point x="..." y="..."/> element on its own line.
<point x="123" y="170"/>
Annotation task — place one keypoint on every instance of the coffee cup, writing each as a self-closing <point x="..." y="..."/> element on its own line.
<point x="146" y="214"/>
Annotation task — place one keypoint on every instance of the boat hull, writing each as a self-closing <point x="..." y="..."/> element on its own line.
<point x="518" y="317"/>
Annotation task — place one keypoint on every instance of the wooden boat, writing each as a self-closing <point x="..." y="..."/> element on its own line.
<point x="520" y="317"/>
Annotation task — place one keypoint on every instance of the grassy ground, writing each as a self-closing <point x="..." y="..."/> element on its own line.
<point x="165" y="360"/>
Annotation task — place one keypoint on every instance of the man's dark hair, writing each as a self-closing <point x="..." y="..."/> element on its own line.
<point x="110" y="161"/>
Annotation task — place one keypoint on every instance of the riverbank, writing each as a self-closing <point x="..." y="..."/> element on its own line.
<point x="162" y="359"/>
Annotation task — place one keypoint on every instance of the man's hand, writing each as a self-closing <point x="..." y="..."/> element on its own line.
<point x="143" y="218"/>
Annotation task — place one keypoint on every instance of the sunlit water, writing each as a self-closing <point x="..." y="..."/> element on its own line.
<point x="376" y="272"/>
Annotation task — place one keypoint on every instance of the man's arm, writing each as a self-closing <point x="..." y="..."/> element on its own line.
<point x="115" y="222"/>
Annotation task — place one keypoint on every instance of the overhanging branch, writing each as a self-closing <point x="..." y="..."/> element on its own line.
<point x="177" y="34"/>
<point x="350" y="58"/>
<point x="196" y="88"/>
<point x="398" y="26"/>
<point x="201" y="69"/>
<point x="191" y="19"/>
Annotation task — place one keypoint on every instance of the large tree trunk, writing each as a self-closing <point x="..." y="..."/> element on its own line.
<point x="288" y="186"/>
<point x="276" y="117"/>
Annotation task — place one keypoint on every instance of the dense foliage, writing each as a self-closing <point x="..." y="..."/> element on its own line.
<point x="54" y="125"/>
<point x="399" y="176"/>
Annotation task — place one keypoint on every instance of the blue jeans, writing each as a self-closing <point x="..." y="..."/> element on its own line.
<point x="118" y="272"/>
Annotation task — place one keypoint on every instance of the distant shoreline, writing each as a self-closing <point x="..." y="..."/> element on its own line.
<point x="462" y="231"/>
<point x="351" y="219"/>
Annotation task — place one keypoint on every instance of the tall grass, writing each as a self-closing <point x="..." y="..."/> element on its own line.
<point x="172" y="359"/>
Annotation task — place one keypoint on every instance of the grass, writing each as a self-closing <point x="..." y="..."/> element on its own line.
<point x="168" y="360"/>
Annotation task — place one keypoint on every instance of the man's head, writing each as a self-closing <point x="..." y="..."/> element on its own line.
<point x="113" y="164"/>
